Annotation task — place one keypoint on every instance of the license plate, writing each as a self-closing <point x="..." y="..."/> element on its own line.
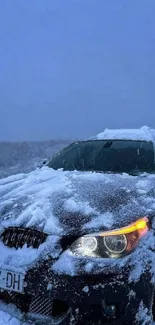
<point x="11" y="281"/>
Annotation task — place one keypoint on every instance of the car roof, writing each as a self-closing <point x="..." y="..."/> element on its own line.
<point x="143" y="134"/>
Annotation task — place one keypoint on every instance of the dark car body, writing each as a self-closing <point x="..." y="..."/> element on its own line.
<point x="88" y="196"/>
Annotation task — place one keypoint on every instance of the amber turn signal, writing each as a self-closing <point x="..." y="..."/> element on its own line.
<point x="140" y="225"/>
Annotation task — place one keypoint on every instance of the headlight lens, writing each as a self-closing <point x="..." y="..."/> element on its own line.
<point x="89" y="243"/>
<point x="115" y="243"/>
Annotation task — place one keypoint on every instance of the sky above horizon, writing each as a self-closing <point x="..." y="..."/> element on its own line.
<point x="69" y="69"/>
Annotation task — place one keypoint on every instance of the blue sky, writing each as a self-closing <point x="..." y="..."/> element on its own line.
<point x="68" y="68"/>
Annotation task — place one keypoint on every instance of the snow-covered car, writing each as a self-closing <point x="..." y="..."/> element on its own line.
<point x="77" y="237"/>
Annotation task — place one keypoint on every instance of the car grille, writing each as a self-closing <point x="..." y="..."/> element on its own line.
<point x="15" y="237"/>
<point x="41" y="306"/>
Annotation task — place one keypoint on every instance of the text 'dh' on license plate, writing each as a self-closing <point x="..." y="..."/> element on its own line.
<point x="11" y="281"/>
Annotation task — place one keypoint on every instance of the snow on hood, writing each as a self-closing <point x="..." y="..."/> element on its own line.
<point x="59" y="202"/>
<point x="73" y="203"/>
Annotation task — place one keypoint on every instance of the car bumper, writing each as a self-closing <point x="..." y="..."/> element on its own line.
<point x="59" y="298"/>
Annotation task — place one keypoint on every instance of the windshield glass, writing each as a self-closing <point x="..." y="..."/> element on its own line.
<point x="106" y="156"/>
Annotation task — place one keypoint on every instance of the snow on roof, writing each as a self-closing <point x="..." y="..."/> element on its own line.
<point x="144" y="133"/>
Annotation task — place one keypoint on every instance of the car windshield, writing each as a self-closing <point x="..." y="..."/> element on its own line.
<point x="115" y="156"/>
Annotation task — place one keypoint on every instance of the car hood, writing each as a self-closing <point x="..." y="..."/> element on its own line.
<point x="66" y="205"/>
<point x="74" y="203"/>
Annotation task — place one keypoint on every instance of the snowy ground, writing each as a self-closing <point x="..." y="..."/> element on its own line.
<point x="23" y="157"/>
<point x="6" y="319"/>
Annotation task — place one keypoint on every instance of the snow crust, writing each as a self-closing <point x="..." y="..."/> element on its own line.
<point x="144" y="133"/>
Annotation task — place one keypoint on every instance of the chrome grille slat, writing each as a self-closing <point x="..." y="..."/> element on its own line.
<point x="15" y="237"/>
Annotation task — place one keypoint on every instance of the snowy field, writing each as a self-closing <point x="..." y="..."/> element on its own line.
<point x="25" y="156"/>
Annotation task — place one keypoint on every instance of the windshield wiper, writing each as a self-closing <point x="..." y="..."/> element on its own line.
<point x="108" y="144"/>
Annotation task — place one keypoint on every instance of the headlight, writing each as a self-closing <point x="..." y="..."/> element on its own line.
<point x="115" y="243"/>
<point x="89" y="243"/>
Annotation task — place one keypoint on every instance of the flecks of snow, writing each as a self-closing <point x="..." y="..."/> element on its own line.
<point x="85" y="289"/>
<point x="132" y="294"/>
<point x="49" y="287"/>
